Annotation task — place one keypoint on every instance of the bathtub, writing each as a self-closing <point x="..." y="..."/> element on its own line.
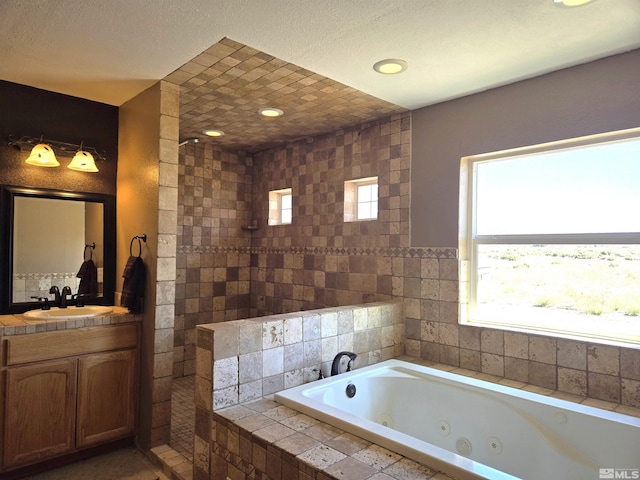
<point x="469" y="428"/>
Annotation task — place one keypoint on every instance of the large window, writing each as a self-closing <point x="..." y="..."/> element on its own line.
<point x="552" y="238"/>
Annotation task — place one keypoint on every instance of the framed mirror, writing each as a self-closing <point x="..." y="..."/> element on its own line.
<point x="48" y="238"/>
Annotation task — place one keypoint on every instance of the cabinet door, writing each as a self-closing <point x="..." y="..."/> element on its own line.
<point x="106" y="397"/>
<point x="40" y="411"/>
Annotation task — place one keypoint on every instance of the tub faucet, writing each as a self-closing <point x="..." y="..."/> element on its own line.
<point x="335" y="366"/>
<point x="63" y="297"/>
<point x="56" y="295"/>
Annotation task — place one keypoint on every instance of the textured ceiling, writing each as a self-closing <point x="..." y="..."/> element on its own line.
<point x="225" y="86"/>
<point x="109" y="51"/>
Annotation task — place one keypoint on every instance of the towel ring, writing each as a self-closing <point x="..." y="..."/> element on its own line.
<point x="91" y="247"/>
<point x="142" y="237"/>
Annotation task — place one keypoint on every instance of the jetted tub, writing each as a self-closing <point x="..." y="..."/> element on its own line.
<point x="470" y="428"/>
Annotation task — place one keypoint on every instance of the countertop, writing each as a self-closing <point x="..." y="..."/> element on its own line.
<point x="18" y="324"/>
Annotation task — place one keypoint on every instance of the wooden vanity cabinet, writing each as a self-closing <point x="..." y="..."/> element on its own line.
<point x="106" y="397"/>
<point x="67" y="390"/>
<point x="39" y="411"/>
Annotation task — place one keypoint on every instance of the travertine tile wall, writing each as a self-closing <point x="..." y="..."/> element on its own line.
<point x="320" y="260"/>
<point x="212" y="283"/>
<point x="244" y="360"/>
<point x="430" y="288"/>
<point x="165" y="268"/>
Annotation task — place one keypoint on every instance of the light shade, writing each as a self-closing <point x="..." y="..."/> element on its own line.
<point x="83" y="162"/>
<point x="42" y="155"/>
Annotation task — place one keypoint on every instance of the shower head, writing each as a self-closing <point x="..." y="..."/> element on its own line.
<point x="189" y="141"/>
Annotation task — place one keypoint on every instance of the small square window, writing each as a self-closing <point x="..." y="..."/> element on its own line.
<point x="280" y="207"/>
<point x="361" y="199"/>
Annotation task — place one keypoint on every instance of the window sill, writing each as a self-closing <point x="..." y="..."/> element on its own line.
<point x="623" y="331"/>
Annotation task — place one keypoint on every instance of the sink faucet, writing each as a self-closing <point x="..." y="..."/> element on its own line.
<point x="335" y="366"/>
<point x="79" y="297"/>
<point x="56" y="293"/>
<point x="63" y="297"/>
<point x="44" y="301"/>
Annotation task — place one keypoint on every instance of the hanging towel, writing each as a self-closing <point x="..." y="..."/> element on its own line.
<point x="88" y="275"/>
<point x="133" y="287"/>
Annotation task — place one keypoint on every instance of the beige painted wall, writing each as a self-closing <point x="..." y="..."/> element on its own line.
<point x="137" y="213"/>
<point x="593" y="98"/>
<point x="147" y="203"/>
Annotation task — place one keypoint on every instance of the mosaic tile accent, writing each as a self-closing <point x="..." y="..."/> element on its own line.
<point x="28" y="285"/>
<point x="375" y="252"/>
<point x="224" y="86"/>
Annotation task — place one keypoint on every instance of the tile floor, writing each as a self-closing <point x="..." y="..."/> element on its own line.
<point x="125" y="464"/>
<point x="182" y="416"/>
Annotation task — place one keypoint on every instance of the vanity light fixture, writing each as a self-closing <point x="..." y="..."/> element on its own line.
<point x="270" y="112"/>
<point x="213" y="133"/>
<point x="571" y="3"/>
<point x="83" y="162"/>
<point x="43" y="153"/>
<point x="390" y="66"/>
<point x="42" y="156"/>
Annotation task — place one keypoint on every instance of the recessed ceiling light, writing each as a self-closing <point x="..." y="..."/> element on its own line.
<point x="571" y="3"/>
<point x="390" y="66"/>
<point x="270" y="112"/>
<point x="213" y="133"/>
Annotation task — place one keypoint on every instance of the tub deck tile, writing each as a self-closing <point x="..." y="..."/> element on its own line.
<point x="297" y="443"/>
<point x="321" y="457"/>
<point x="512" y="383"/>
<point x="299" y="422"/>
<point x="323" y="432"/>
<point x="538" y="390"/>
<point x="407" y="469"/>
<point x="376" y="456"/>
<point x="236" y="412"/>
<point x="280" y="412"/>
<point x="348" y="443"/>
<point x="627" y="410"/>
<point x="351" y="469"/>
<point x="603" y="404"/>
<point x="254" y="422"/>
<point x="273" y="432"/>
<point x="570" y="397"/>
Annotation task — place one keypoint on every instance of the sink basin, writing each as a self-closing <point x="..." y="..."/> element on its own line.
<point x="69" y="313"/>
